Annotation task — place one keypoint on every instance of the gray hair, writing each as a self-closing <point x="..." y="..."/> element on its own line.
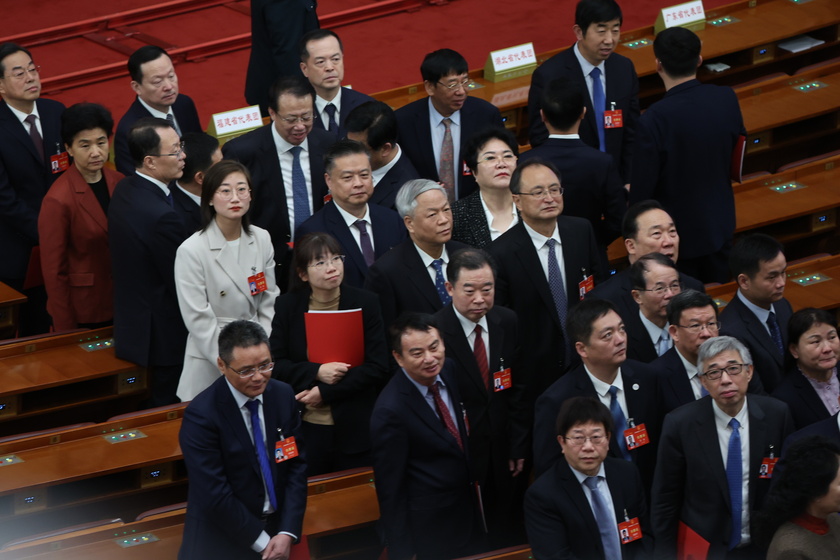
<point x="406" y="201"/>
<point x="720" y="344"/>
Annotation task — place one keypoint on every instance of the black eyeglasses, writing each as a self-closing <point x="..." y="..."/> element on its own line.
<point x="731" y="370"/>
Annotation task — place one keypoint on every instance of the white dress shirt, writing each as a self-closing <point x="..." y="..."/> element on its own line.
<point x="286" y="159"/>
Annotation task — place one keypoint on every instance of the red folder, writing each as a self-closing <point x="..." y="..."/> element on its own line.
<point x="335" y="336"/>
<point x="737" y="168"/>
<point x="690" y="545"/>
<point x="300" y="551"/>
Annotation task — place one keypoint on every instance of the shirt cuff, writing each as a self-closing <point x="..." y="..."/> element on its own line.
<point x="294" y="538"/>
<point x="261" y="542"/>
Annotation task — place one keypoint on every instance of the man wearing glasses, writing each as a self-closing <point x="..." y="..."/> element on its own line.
<point x="655" y="281"/>
<point x="144" y="233"/>
<point x="30" y="160"/>
<point x="286" y="161"/>
<point x="434" y="131"/>
<point x="708" y="470"/>
<point x="244" y="455"/>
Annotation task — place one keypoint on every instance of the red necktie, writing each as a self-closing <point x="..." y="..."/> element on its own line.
<point x="443" y="411"/>
<point x="480" y="353"/>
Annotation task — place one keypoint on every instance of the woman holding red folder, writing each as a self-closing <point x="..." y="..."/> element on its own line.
<point x="336" y="398"/>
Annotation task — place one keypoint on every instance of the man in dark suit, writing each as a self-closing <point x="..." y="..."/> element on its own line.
<point x="710" y="456"/>
<point x="758" y="315"/>
<point x="434" y="131"/>
<point x="144" y="233"/>
<point x="412" y="276"/>
<point x="655" y="281"/>
<point x="427" y="502"/>
<point x="286" y="161"/>
<point x="629" y="389"/>
<point x="322" y="62"/>
<point x="245" y="501"/>
<point x="482" y="340"/>
<point x="276" y="29"/>
<point x="615" y="85"/>
<point x="31" y="130"/>
<point x="683" y="155"/>
<point x="543" y="261"/>
<point x="374" y="125"/>
<point x="201" y="151"/>
<point x="155" y="82"/>
<point x="830" y="428"/>
<point x="365" y="231"/>
<point x="580" y="507"/>
<point x="592" y="188"/>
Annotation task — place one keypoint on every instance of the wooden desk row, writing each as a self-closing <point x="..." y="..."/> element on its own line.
<point x="10" y="302"/>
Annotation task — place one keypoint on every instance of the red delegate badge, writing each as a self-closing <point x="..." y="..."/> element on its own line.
<point x="636" y="436"/>
<point x="257" y="283"/>
<point x="501" y="380"/>
<point x="629" y="531"/>
<point x="59" y="162"/>
<point x="285" y="449"/>
<point x="613" y="119"/>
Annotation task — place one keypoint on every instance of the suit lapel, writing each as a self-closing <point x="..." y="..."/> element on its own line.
<point x="274" y="199"/>
<point x="706" y="437"/>
<point x="760" y="330"/>
<point x="339" y="228"/>
<point x="576" y="73"/>
<point x="418" y="275"/>
<point x="233" y="418"/>
<point x="421" y="408"/>
<point x="423" y="131"/>
<point x="461" y="349"/>
<point x="758" y="442"/>
<point x="497" y="342"/>
<point x="86" y="199"/>
<point x="17" y="131"/>
<point x="567" y="480"/>
<point x="527" y="256"/>
<point x="228" y="258"/>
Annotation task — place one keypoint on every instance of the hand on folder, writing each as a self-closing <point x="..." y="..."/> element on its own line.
<point x="332" y="372"/>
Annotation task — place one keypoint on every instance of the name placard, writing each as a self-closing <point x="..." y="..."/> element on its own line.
<point x="511" y="62"/>
<point x="235" y="122"/>
<point x="690" y="15"/>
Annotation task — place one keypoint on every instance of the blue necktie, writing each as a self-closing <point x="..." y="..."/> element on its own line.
<point x="170" y="200"/>
<point x="262" y="455"/>
<point x="734" y="480"/>
<point x="599" y="103"/>
<point x="440" y="283"/>
<point x="606" y="526"/>
<point x="664" y="342"/>
<point x="331" y="124"/>
<point x="299" y="192"/>
<point x="620" y="422"/>
<point x="775" y="333"/>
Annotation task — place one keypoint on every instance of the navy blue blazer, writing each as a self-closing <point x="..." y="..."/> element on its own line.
<point x="805" y="404"/>
<point x="144" y="233"/>
<point x="24" y="181"/>
<point x="388" y="231"/>
<point x="185" y="206"/>
<point x="385" y="191"/>
<point x="622" y="89"/>
<point x="826" y="428"/>
<point x="639" y="345"/>
<point x="618" y="288"/>
<point x="560" y="521"/>
<point x="226" y="490"/>
<point x="415" y="136"/>
<point x="350" y="99"/>
<point x="185" y="114"/>
<point x="683" y="158"/>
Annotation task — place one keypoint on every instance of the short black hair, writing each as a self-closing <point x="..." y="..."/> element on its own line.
<point x="642" y="265"/>
<point x="803" y="320"/>
<point x="442" y="62"/>
<point x="240" y="334"/>
<point x="199" y="148"/>
<point x="588" y="12"/>
<point x="378" y="119"/>
<point x="478" y="140"/>
<point x="85" y="116"/>
<point x="678" y="49"/>
<point x="213" y="179"/>
<point x="468" y="259"/>
<point x="750" y="251"/>
<point x="340" y="149"/>
<point x="308" y="248"/>
<point x="409" y="321"/>
<point x="562" y="103"/>
<point x="516" y="176"/>
<point x="7" y="49"/>
<point x="582" y="317"/>
<point x="141" y="56"/>
<point x="630" y="222"/>
<point x="582" y="410"/>
<point x="688" y="299"/>
<point x="144" y="140"/>
<point x="296" y="86"/>
<point x="317" y="35"/>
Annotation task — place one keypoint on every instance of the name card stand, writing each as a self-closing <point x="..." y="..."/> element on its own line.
<point x="230" y="124"/>
<point x="690" y="15"/>
<point x="509" y="63"/>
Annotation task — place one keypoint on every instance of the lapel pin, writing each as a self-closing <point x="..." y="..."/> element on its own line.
<point x="635" y="386"/>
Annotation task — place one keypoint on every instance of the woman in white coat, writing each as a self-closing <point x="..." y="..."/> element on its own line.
<point x="223" y="272"/>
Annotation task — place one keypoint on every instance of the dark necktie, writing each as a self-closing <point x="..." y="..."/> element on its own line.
<point x="606" y="525"/>
<point x="301" y="196"/>
<point x="169" y="199"/>
<point x="445" y="416"/>
<point x="555" y="284"/>
<point x="364" y="241"/>
<point x="35" y="135"/>
<point x="480" y="352"/>
<point x="331" y="124"/>
<point x="620" y="422"/>
<point x="440" y="283"/>
<point x="447" y="163"/>
<point x="171" y="120"/>
<point x="734" y="481"/>
<point x="599" y="103"/>
<point x="262" y="455"/>
<point x="775" y="332"/>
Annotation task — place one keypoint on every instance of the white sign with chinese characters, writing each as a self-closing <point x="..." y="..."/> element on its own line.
<point x="682" y="15"/>
<point x="510" y="62"/>
<point x="238" y="120"/>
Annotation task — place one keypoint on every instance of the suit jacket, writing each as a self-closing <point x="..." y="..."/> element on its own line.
<point x="185" y="114"/>
<point x="639" y="345"/>
<point x="423" y="483"/>
<point x="522" y="286"/>
<point x="226" y="491"/>
<point x="673" y="380"/>
<point x="690" y="481"/>
<point x="190" y="211"/>
<point x="351" y="399"/>
<point x="617" y="290"/>
<point x="827" y="428"/>
<point x="805" y="404"/>
<point x="213" y="290"/>
<point x="350" y="99"/>
<point x="622" y="89"/>
<point x="642" y="394"/>
<point x="469" y="222"/>
<point x="257" y="151"/>
<point x="683" y="159"/>
<point x="416" y="137"/>
<point x="388" y="231"/>
<point x="403" y="283"/>
<point x="385" y="191"/>
<point x="144" y="233"/>
<point x="75" y="258"/>
<point x="24" y="181"/>
<point x="560" y="521"/>
<point x="738" y="321"/>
